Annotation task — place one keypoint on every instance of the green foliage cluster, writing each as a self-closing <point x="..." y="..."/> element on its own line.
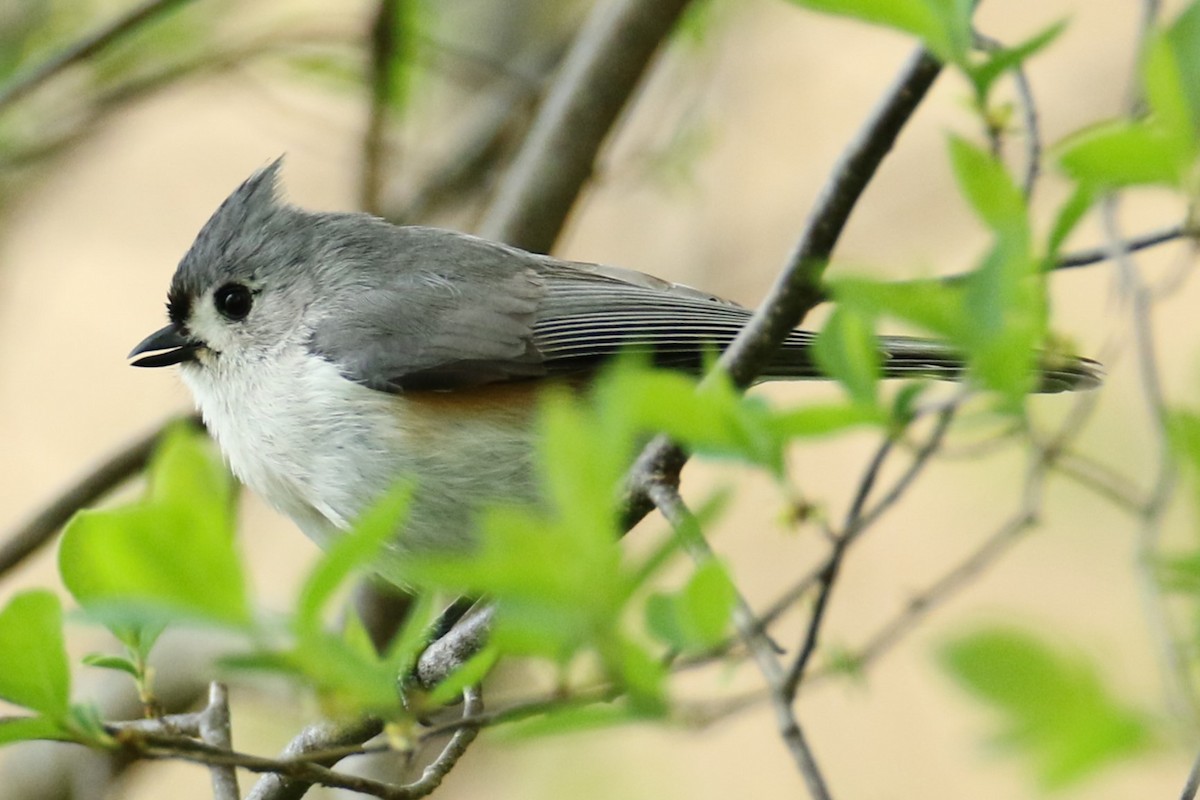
<point x="564" y="592"/>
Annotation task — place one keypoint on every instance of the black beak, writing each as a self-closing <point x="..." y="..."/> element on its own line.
<point x="175" y="348"/>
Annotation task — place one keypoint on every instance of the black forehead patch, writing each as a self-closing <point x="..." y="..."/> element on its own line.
<point x="179" y="305"/>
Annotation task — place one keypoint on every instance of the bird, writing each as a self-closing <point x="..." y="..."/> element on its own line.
<point x="332" y="354"/>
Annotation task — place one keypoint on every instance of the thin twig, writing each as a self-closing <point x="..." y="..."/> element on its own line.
<point x="215" y="731"/>
<point x="1033" y="135"/>
<point x="1101" y="479"/>
<point x="326" y="738"/>
<point x="94" y="485"/>
<point x="84" y="48"/>
<point x="1171" y="641"/>
<point x="433" y="775"/>
<point x="1192" y="785"/>
<point x="595" y="82"/>
<point x="666" y="498"/>
<point x="1094" y="255"/>
<point x="797" y="289"/>
<point x="828" y="576"/>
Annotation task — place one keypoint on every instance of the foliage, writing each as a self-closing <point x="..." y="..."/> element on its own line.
<point x="565" y="595"/>
<point x="1053" y="708"/>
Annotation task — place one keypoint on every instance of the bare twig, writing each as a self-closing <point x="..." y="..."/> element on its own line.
<point x="84" y="48"/>
<point x="449" y="652"/>
<point x="304" y="763"/>
<point x="1171" y="642"/>
<point x="432" y="777"/>
<point x="596" y="80"/>
<point x="666" y="498"/>
<point x="95" y="484"/>
<point x="320" y="738"/>
<point x="215" y="730"/>
<point x="1192" y="785"/>
<point x="828" y="574"/>
<point x="1094" y="255"/>
<point x="941" y="591"/>
<point x="1101" y="479"/>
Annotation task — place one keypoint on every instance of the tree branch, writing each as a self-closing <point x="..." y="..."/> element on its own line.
<point x="597" y="78"/>
<point x="84" y="48"/>
<point x="111" y="473"/>
<point x="383" y="48"/>
<point x="797" y="290"/>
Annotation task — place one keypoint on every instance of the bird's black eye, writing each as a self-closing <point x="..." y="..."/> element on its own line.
<point x="233" y="301"/>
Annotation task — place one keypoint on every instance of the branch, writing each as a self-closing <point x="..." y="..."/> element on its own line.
<point x="215" y="731"/>
<point x="1192" y="785"/>
<point x="382" y="83"/>
<point x="115" y="470"/>
<point x="317" y="738"/>
<point x="451" y="651"/>
<point x="666" y="498"/>
<point x="797" y="290"/>
<point x="84" y="48"/>
<point x="1029" y="112"/>
<point x="1094" y="255"/>
<point x="597" y="78"/>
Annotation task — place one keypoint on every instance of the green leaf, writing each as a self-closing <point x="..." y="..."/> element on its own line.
<point x="358" y="548"/>
<point x="469" y="673"/>
<point x="1066" y="220"/>
<point x="935" y="306"/>
<point x="575" y="719"/>
<point x="944" y="25"/>
<point x="823" y="420"/>
<point x="24" y="729"/>
<point x="848" y="350"/>
<point x="118" y="663"/>
<point x="1183" y="40"/>
<point x="1054" y="708"/>
<point x="698" y="616"/>
<point x="1117" y="154"/>
<point x="34" y="672"/>
<point x="168" y="554"/>
<point x="1006" y="58"/>
<point x="1183" y="433"/>
<point x="987" y="186"/>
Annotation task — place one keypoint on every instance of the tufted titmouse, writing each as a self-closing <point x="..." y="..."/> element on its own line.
<point x="331" y="354"/>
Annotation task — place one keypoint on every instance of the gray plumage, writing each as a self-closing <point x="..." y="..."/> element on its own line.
<point x="415" y="308"/>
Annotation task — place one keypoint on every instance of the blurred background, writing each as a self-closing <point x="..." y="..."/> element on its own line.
<point x="107" y="173"/>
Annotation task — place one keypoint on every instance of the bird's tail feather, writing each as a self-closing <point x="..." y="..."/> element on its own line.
<point x="908" y="357"/>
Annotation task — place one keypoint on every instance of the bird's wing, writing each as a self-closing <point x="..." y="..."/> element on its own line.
<point x="492" y="313"/>
<point x="456" y="312"/>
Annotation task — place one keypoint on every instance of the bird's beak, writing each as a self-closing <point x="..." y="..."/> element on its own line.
<point x="174" y="346"/>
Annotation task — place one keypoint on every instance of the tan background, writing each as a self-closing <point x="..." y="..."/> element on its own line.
<point x="87" y="253"/>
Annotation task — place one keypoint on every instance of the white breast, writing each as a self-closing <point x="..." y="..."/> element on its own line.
<point x="321" y="448"/>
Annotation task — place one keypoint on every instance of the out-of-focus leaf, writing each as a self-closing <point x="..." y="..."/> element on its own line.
<point x="698" y="616"/>
<point x="117" y="663"/>
<point x="356" y="549"/>
<point x="1055" y="710"/>
<point x="1116" y="154"/>
<point x="171" y="553"/>
<point x="1065" y="221"/>
<point x="470" y="673"/>
<point x="33" y="658"/>
<point x="1000" y="61"/>
<point x="944" y="25"/>
<point x="848" y="351"/>
<point x="23" y="729"/>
